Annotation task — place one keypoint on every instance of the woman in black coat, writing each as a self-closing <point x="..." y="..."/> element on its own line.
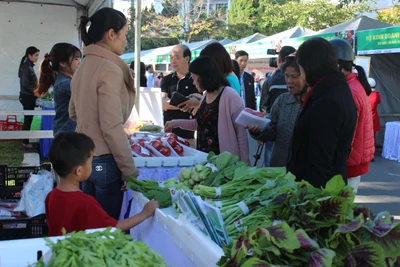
<point x="324" y="130"/>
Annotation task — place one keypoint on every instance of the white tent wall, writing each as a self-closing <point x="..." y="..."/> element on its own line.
<point x="35" y="23"/>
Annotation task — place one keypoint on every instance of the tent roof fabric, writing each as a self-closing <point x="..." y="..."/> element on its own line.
<point x="357" y="24"/>
<point x="162" y="51"/>
<point x="297" y="31"/>
<point x="249" y="39"/>
<point x="226" y="41"/>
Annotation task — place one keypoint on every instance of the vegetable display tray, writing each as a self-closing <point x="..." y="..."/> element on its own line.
<point x="191" y="158"/>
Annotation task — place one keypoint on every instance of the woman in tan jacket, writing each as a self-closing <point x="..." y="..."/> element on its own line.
<point x="102" y="98"/>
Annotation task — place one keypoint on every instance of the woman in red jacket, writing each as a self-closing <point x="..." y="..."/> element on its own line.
<point x="375" y="99"/>
<point x="363" y="148"/>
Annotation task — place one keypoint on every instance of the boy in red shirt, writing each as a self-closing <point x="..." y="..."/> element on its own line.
<point x="66" y="205"/>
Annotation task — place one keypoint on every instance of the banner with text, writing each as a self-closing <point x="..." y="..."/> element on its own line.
<point x="379" y="41"/>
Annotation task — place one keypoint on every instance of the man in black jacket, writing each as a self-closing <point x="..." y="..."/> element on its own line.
<point x="246" y="80"/>
<point x="179" y="81"/>
<point x="276" y="84"/>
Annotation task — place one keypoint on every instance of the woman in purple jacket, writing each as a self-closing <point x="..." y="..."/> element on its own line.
<point x="214" y="121"/>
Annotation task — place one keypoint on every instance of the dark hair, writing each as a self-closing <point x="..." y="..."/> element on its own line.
<point x="318" y="59"/>
<point x="285" y="51"/>
<point x="143" y="79"/>
<point x="100" y="23"/>
<point x="70" y="150"/>
<point x="241" y="53"/>
<point x="29" y="51"/>
<point x="348" y="66"/>
<point x="211" y="77"/>
<point x="149" y="67"/>
<point x="160" y="75"/>
<point x="61" y="52"/>
<point x="217" y="52"/>
<point x="290" y="62"/>
<point x="236" y="68"/>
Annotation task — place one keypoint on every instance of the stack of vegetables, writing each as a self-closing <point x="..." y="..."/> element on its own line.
<point x="307" y="226"/>
<point x="102" y="248"/>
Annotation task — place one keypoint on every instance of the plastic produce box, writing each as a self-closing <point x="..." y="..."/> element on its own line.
<point x="190" y="157"/>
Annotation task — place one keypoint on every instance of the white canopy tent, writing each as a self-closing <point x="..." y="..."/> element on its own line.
<point x="39" y="23"/>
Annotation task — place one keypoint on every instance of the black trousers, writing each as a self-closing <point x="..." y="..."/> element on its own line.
<point x="28" y="103"/>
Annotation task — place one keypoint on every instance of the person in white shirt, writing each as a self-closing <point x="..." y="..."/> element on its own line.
<point x="150" y="76"/>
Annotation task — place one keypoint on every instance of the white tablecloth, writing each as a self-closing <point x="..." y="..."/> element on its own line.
<point x="391" y="143"/>
<point x="175" y="239"/>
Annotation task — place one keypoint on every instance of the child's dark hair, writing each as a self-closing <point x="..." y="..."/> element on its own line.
<point x="70" y="150"/>
<point x="61" y="52"/>
<point x="29" y="51"/>
<point x="101" y="22"/>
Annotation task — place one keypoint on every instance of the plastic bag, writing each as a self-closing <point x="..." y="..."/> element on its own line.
<point x="133" y="122"/>
<point x="35" y="192"/>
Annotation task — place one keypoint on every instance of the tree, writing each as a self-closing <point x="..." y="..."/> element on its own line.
<point x="148" y="42"/>
<point x="188" y="24"/>
<point x="271" y="17"/>
<point x="391" y="15"/>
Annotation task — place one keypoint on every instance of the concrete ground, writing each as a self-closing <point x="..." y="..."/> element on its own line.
<point x="380" y="187"/>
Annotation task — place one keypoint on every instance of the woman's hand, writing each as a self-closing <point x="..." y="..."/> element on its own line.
<point x="189" y="105"/>
<point x="168" y="127"/>
<point x="254" y="129"/>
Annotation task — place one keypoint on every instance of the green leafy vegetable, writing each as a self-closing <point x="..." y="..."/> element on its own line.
<point x="102" y="248"/>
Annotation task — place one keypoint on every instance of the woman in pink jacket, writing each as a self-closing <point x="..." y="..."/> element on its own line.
<point x="220" y="105"/>
<point x="363" y="148"/>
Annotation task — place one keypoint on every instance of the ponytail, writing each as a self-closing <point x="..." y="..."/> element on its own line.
<point x="20" y="66"/>
<point x="363" y="79"/>
<point x="100" y="23"/>
<point x="84" y="33"/>
<point x="47" y="77"/>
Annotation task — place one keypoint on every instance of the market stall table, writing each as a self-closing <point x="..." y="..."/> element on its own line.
<point x="391" y="143"/>
<point x="174" y="238"/>
<point x="22" y="252"/>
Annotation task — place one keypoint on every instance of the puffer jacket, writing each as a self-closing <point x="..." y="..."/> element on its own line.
<point x="363" y="147"/>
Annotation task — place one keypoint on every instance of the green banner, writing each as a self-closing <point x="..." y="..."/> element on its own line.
<point x="379" y="41"/>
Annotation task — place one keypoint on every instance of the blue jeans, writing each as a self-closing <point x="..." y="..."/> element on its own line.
<point x="267" y="152"/>
<point x="105" y="184"/>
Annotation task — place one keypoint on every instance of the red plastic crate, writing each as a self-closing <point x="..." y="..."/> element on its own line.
<point x="10" y="124"/>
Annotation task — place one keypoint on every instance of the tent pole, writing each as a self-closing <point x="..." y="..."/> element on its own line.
<point x="138" y="18"/>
